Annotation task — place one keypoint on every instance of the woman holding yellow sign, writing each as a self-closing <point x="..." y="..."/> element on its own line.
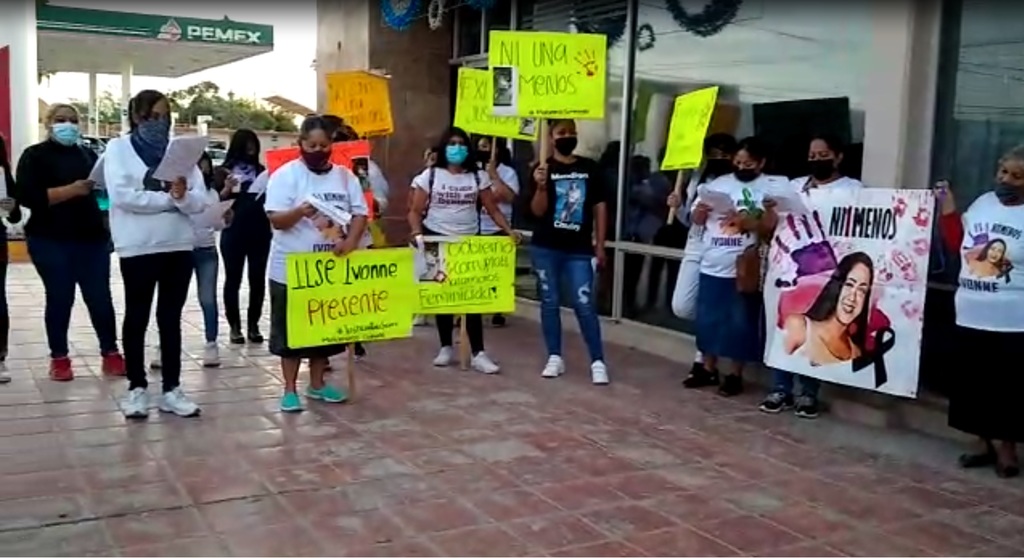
<point x="446" y="201"/>
<point x="304" y="199"/>
<point x="496" y="160"/>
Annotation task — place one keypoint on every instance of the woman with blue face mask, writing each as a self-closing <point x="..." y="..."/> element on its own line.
<point x="446" y="201"/>
<point x="67" y="239"/>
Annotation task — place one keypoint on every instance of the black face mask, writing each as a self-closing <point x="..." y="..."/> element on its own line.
<point x="483" y="156"/>
<point x="718" y="167"/>
<point x="565" y="145"/>
<point x="822" y="168"/>
<point x="746" y="175"/>
<point x="317" y="161"/>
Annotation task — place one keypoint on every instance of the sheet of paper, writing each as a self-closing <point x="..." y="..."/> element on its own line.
<point x="96" y="174"/>
<point x="787" y="200"/>
<point x="181" y="157"/>
<point x="720" y="202"/>
<point x="258" y="186"/>
<point x="336" y="214"/>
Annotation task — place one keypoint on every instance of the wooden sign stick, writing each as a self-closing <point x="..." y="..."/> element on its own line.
<point x="464" y="348"/>
<point x="350" y="371"/>
<point x="544" y="141"/>
<point x="678" y="191"/>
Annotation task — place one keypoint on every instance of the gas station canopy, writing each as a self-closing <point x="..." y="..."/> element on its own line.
<point x="104" y="42"/>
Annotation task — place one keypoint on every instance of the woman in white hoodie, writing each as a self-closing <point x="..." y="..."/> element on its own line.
<point x="153" y="236"/>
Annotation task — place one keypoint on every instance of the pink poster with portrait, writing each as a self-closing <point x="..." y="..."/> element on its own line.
<point x="845" y="288"/>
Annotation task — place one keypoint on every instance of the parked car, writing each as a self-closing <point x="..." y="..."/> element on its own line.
<point x="96" y="143"/>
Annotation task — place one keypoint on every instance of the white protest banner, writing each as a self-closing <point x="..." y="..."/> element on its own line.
<point x="844" y="295"/>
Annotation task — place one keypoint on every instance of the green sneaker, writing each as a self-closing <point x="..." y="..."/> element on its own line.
<point x="327" y="394"/>
<point x="290" y="403"/>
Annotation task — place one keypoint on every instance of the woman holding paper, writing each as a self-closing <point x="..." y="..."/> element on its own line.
<point x="446" y="201"/>
<point x="205" y="257"/>
<point x="150" y="221"/>
<point x="985" y="396"/>
<point x="293" y="194"/>
<point x="246" y="242"/>
<point x="735" y="213"/>
<point x="68" y="239"/>
<point x="718" y="153"/>
<point x="569" y="245"/>
<point x="505" y="185"/>
<point x="824" y="157"/>
<point x="9" y="206"/>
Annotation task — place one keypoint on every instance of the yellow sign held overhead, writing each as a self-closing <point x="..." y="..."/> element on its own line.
<point x="363" y="100"/>
<point x="690" y="119"/>
<point x="472" y="275"/>
<point x="548" y="75"/>
<point x="473" y="111"/>
<point x="368" y="295"/>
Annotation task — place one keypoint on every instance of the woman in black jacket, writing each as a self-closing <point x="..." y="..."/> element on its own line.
<point x="247" y="239"/>
<point x="10" y="206"/>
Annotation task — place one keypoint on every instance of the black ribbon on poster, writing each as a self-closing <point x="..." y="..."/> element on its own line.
<point x="885" y="340"/>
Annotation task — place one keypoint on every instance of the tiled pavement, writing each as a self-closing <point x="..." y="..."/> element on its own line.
<point x="442" y="462"/>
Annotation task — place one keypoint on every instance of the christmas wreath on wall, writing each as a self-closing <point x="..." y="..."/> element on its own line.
<point x="400" y="14"/>
<point x="710" y="21"/>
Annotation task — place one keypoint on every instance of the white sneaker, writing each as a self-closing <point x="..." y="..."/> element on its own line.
<point x="175" y="401"/>
<point x="419" y="320"/>
<point x="444" y="357"/>
<point x="599" y="373"/>
<point x="211" y="355"/>
<point x="135" y="404"/>
<point x="483" y="364"/>
<point x="554" y="368"/>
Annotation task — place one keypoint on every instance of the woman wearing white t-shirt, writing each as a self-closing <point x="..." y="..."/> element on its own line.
<point x="985" y="400"/>
<point x="291" y="212"/>
<point x="824" y="157"/>
<point x="728" y="321"/>
<point x="504" y="184"/>
<point x="718" y="152"/>
<point x="446" y="201"/>
<point x="151" y="228"/>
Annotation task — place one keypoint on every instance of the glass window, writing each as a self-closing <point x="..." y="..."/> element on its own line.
<point x="785" y="69"/>
<point x="470" y="24"/>
<point x="981" y="93"/>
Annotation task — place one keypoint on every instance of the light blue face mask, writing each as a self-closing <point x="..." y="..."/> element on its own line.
<point x="65" y="133"/>
<point x="456" y="154"/>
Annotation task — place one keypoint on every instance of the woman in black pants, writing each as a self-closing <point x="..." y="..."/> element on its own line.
<point x="13" y="211"/>
<point x="152" y="230"/>
<point x="247" y="239"/>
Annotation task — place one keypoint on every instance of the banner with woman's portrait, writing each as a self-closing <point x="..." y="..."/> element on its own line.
<point x="844" y="294"/>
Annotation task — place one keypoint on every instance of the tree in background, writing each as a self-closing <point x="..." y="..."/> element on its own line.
<point x="107" y="106"/>
<point x="227" y="111"/>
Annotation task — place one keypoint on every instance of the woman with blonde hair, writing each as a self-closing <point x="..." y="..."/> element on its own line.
<point x="68" y="239"/>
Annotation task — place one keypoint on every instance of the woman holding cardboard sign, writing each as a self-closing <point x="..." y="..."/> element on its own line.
<point x="300" y="228"/>
<point x="446" y="201"/>
<point x="496" y="161"/>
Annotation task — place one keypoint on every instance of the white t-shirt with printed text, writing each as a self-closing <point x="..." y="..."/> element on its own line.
<point x="507" y="175"/>
<point x="990" y="296"/>
<point x="288" y="188"/>
<point x="723" y="245"/>
<point x="452" y="200"/>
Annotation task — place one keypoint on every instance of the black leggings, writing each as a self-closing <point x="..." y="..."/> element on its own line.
<point x="238" y="248"/>
<point x="167" y="275"/>
<point x="474" y="329"/>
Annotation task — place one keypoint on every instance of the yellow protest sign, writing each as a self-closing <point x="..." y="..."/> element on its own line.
<point x="548" y="75"/>
<point x="472" y="275"/>
<point x="368" y="295"/>
<point x="473" y="110"/>
<point x="363" y="100"/>
<point x="690" y="119"/>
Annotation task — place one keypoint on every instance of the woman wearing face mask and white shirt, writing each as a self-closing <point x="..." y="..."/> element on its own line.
<point x="445" y="202"/>
<point x="152" y="231"/>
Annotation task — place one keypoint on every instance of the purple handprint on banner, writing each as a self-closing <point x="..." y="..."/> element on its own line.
<point x="803" y="240"/>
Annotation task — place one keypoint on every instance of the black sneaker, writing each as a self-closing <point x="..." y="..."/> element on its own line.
<point x="700" y="377"/>
<point x="498" y="321"/>
<point x="776" y="402"/>
<point x="807" y="407"/>
<point x="732" y="384"/>
<point x="236" y="337"/>
<point x="255" y="336"/>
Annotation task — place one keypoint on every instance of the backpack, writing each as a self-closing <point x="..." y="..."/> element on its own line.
<point x="430" y="191"/>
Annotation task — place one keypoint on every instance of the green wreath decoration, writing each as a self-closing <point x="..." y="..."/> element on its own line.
<point x="710" y="21"/>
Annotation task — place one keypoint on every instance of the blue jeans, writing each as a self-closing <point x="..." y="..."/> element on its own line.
<point x="206" y="262"/>
<point x="784" y="383"/>
<point x="577" y="271"/>
<point x="63" y="264"/>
